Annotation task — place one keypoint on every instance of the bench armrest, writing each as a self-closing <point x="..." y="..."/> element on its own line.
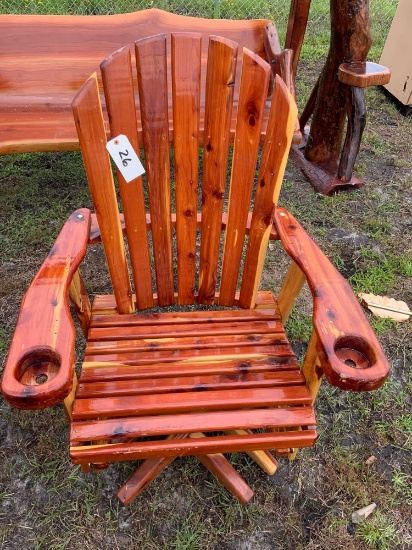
<point x="40" y="365"/>
<point x="349" y="352"/>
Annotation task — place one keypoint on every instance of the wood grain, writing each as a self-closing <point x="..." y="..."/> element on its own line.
<point x="103" y="371"/>
<point x="95" y="236"/>
<point x="186" y="69"/>
<point x="219" y="96"/>
<point x="282" y="121"/>
<point x="194" y="329"/>
<point x="40" y="365"/>
<point x="264" y="459"/>
<point x="252" y="96"/>
<point x="92" y="136"/>
<point x="363" y="74"/>
<point x="225" y="473"/>
<point x="118" y="87"/>
<point x="298" y="19"/>
<point x="152" y="79"/>
<point x="224" y="444"/>
<point x="144" y="475"/>
<point x="290" y="290"/>
<point x="80" y="302"/>
<point x="209" y="400"/>
<point x="109" y="388"/>
<point x="49" y="67"/>
<point x="208" y="355"/>
<point x="345" y="338"/>
<point x="105" y="304"/>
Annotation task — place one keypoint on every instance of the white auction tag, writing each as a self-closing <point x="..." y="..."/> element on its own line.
<point x="125" y="157"/>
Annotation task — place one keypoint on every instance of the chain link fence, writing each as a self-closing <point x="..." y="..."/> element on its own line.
<point x="381" y="11"/>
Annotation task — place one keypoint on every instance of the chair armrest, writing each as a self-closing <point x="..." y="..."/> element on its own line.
<point x="349" y="352"/>
<point x="40" y="365"/>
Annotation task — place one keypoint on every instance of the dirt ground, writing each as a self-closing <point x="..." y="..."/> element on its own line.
<point x="45" y="502"/>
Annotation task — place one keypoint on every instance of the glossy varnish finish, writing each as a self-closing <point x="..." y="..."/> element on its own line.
<point x="255" y="81"/>
<point x="186" y="69"/>
<point x="191" y="390"/>
<point x="156" y="385"/>
<point x="40" y="364"/>
<point x="46" y="59"/>
<point x="282" y="120"/>
<point x="152" y="80"/>
<point x="90" y="127"/>
<point x="349" y="351"/>
<point x="220" y="81"/>
<point x="120" y="102"/>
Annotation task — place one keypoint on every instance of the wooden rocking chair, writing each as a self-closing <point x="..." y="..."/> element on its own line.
<point x="156" y="385"/>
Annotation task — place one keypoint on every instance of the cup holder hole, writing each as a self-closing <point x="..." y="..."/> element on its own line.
<point x="41" y="379"/>
<point x="355" y="352"/>
<point x="38" y="367"/>
<point x="353" y="358"/>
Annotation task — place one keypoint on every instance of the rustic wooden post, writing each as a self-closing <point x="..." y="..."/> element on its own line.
<point x="336" y="97"/>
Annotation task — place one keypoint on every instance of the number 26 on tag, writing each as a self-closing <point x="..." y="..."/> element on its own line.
<point x="125" y="157"/>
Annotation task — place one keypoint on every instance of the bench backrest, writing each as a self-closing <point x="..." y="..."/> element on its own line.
<point x="184" y="190"/>
<point x="45" y="55"/>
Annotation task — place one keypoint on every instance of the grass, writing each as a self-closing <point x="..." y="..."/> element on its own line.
<point x="48" y="503"/>
<point x="378" y="532"/>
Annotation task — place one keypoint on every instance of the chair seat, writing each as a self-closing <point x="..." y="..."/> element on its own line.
<point x="156" y="375"/>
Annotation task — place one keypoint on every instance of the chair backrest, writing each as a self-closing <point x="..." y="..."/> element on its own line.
<point x="175" y="239"/>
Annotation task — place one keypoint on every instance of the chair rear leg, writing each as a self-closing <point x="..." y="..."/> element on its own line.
<point x="264" y="459"/>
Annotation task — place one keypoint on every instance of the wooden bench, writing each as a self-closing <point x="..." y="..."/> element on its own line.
<point x="44" y="60"/>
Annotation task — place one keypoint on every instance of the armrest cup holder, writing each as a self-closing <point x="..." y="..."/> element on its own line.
<point x="37" y="367"/>
<point x="353" y="364"/>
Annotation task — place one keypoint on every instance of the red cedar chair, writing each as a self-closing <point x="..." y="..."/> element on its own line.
<point x="158" y="385"/>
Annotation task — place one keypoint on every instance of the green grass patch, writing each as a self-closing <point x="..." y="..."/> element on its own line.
<point x="378" y="532"/>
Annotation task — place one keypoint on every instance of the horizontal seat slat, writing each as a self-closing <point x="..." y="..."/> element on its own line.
<point x="207" y="355"/>
<point x="224" y="328"/>
<point x="106" y="305"/>
<point x="188" y="383"/>
<point x="149" y="426"/>
<point x="178" y="317"/>
<point x="208" y="445"/>
<point x="190" y="401"/>
<point x="99" y="372"/>
<point x="182" y="343"/>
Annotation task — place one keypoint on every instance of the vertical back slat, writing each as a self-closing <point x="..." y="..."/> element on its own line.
<point x="221" y="67"/>
<point x="92" y="137"/>
<point x="186" y="67"/>
<point x="252" y="97"/>
<point x="279" y="135"/>
<point x="119" y="93"/>
<point x="152" y="82"/>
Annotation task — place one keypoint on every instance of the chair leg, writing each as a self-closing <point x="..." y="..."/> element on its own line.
<point x="313" y="374"/>
<point x="264" y="459"/>
<point x="68" y="402"/>
<point x="144" y="475"/>
<point x="215" y="463"/>
<point x="225" y="474"/>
